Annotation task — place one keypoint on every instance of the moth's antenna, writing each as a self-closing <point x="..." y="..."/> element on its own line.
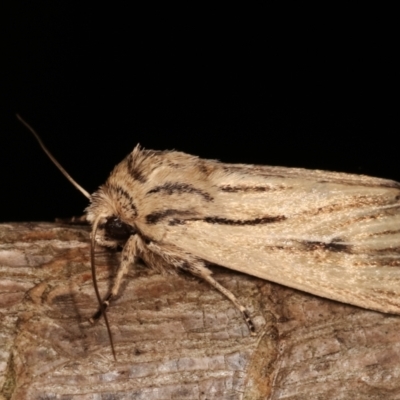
<point x="57" y="164"/>
<point x="96" y="289"/>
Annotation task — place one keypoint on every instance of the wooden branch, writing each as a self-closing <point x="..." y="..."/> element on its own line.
<point x="175" y="337"/>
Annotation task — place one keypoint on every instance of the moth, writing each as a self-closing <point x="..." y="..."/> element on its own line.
<point x="334" y="235"/>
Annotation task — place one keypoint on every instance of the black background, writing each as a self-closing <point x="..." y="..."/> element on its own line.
<point x="250" y="86"/>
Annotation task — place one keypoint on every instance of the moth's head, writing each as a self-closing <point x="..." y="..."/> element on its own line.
<point x="112" y="216"/>
<point x="112" y="210"/>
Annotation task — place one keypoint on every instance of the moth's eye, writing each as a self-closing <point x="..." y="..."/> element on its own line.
<point x="116" y="229"/>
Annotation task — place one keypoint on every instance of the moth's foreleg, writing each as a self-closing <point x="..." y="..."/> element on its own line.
<point x="81" y="220"/>
<point x="128" y="257"/>
<point x="200" y="270"/>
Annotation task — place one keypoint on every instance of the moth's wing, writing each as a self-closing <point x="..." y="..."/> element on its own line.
<point x="334" y="235"/>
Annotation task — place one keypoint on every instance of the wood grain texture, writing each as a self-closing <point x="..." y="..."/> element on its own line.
<point x="175" y="337"/>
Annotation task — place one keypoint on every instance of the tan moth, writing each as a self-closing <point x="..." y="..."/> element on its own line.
<point x="331" y="234"/>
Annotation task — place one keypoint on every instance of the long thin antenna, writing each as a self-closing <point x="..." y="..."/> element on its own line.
<point x="94" y="230"/>
<point x="96" y="289"/>
<point x="57" y="164"/>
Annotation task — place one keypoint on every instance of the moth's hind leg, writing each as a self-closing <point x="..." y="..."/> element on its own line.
<point x="128" y="257"/>
<point x="200" y="270"/>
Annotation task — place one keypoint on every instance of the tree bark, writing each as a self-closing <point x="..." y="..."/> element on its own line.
<point x="175" y="337"/>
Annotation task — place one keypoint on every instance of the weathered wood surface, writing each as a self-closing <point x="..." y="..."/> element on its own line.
<point x="176" y="338"/>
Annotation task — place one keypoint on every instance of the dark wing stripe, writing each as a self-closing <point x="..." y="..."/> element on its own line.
<point x="157" y="216"/>
<point x="255" y="221"/>
<point x="250" y="189"/>
<point x="175" y="218"/>
<point x="385" y="233"/>
<point x="330" y="246"/>
<point x="179" y="188"/>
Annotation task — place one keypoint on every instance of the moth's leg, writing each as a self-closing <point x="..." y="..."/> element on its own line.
<point x="128" y="257"/>
<point x="81" y="220"/>
<point x="199" y="269"/>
